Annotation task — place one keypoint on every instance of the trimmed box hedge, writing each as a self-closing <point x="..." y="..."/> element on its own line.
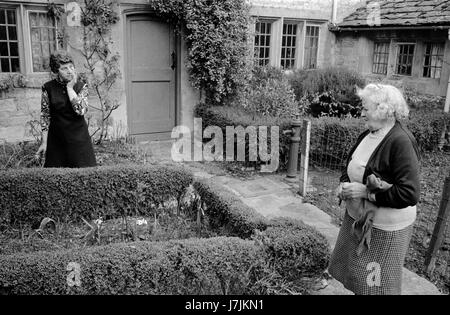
<point x="29" y="195"/>
<point x="223" y="116"/>
<point x="295" y="249"/>
<point x="273" y="249"/>
<point x="195" y="266"/>
<point x="228" y="213"/>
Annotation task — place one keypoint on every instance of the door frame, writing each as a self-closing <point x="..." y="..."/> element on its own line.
<point x="136" y="11"/>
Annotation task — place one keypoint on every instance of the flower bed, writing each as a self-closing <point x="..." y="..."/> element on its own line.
<point x="266" y="255"/>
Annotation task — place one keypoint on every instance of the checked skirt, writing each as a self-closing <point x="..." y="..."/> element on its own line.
<point x="377" y="271"/>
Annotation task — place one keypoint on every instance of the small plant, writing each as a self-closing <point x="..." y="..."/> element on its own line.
<point x="54" y="11"/>
<point x="268" y="93"/>
<point x="97" y="18"/>
<point x="327" y="92"/>
<point x="12" y="81"/>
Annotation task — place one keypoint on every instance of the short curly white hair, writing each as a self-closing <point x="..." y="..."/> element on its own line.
<point x="389" y="100"/>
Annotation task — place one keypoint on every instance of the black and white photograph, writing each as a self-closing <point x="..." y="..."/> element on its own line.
<point x="224" y="155"/>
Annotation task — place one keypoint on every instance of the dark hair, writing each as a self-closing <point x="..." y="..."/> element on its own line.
<point x="58" y="58"/>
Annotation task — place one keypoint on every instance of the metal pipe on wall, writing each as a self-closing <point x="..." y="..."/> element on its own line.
<point x="447" y="97"/>
<point x="334" y="12"/>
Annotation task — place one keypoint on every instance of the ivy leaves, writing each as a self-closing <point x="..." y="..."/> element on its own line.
<point x="216" y="34"/>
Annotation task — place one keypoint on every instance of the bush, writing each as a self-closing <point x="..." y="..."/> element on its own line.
<point x="418" y="101"/>
<point x="18" y="155"/>
<point x="427" y="127"/>
<point x="329" y="91"/>
<point x="296" y="250"/>
<point x="29" y="195"/>
<point x="227" y="213"/>
<point x="195" y="266"/>
<point x="223" y="116"/>
<point x="268" y="93"/>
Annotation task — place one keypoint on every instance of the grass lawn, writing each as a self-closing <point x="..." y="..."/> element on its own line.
<point x="435" y="167"/>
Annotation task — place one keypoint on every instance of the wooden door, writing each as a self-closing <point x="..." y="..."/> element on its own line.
<point x="150" y="45"/>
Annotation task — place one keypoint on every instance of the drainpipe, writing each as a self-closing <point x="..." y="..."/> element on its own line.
<point x="334" y="12"/>
<point x="447" y="98"/>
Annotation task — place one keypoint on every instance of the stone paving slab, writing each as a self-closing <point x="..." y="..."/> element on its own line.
<point x="257" y="187"/>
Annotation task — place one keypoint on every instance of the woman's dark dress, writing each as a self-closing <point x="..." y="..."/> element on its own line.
<point x="68" y="143"/>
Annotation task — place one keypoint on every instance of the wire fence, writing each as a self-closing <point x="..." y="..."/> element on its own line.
<point x="329" y="147"/>
<point x="330" y="144"/>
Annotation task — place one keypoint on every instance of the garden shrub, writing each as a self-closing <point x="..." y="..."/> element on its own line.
<point x="272" y="97"/>
<point x="296" y="249"/>
<point x="29" y="195"/>
<point x="15" y="155"/>
<point x="329" y="91"/>
<point x="427" y="127"/>
<point x="293" y="248"/>
<point x="268" y="93"/>
<point x="221" y="265"/>
<point x="223" y="116"/>
<point x="420" y="101"/>
<point x="227" y="212"/>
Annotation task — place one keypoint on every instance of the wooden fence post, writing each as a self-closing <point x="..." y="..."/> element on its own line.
<point x="439" y="228"/>
<point x="304" y="160"/>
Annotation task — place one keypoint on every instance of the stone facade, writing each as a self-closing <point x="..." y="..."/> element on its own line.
<point x="21" y="106"/>
<point x="355" y="50"/>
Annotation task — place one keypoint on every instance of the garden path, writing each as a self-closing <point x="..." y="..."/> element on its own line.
<point x="273" y="195"/>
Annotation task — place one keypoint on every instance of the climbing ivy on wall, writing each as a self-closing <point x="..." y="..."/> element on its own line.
<point x="216" y="34"/>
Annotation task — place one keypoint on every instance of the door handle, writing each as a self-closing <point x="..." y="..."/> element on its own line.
<point x="174" y="60"/>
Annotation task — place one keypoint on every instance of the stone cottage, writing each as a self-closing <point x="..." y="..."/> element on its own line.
<point x="404" y="42"/>
<point x="154" y="91"/>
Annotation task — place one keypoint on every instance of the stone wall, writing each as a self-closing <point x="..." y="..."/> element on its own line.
<point x="21" y="105"/>
<point x="354" y="50"/>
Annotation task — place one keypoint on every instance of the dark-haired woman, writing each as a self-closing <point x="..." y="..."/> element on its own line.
<point x="65" y="137"/>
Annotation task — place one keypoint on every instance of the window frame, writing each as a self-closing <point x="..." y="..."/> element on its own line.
<point x="319" y="26"/>
<point x="437" y="43"/>
<point x="294" y="45"/>
<point x="24" y="35"/>
<point x="30" y="50"/>
<point x="385" y="53"/>
<point x="256" y="58"/>
<point x="397" y="55"/>
<point x="19" y="30"/>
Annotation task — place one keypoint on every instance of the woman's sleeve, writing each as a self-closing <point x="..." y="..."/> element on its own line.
<point x="80" y="103"/>
<point x="404" y="165"/>
<point x="45" y="110"/>
<point x="344" y="176"/>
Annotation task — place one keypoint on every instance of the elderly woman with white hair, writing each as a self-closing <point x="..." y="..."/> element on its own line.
<point x="388" y="152"/>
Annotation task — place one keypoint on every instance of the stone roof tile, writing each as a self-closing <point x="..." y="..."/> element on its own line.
<point x="402" y="12"/>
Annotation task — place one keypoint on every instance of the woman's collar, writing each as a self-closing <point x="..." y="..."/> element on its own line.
<point x="58" y="79"/>
<point x="383" y="130"/>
